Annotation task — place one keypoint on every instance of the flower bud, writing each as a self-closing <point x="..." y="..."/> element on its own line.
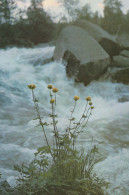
<point x="49" y="86"/>
<point x="76" y="98"/>
<point x="52" y="101"/>
<point x="55" y="90"/>
<point x="88" y="98"/>
<point x="32" y="86"/>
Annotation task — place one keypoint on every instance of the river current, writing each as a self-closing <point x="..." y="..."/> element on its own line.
<point x="108" y="126"/>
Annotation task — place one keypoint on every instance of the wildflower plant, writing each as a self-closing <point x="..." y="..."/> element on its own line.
<point x="68" y="171"/>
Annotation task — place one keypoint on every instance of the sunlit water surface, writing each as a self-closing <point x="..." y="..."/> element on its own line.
<point x="19" y="136"/>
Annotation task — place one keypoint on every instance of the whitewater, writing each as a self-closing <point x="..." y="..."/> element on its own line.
<point x="20" y="135"/>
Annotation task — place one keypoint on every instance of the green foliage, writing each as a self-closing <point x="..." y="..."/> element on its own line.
<point x="39" y="24"/>
<point x="85" y="12"/>
<point x="71" y="6"/>
<point x="5" y="188"/>
<point x="36" y="28"/>
<point x="113" y="16"/>
<point x="59" y="168"/>
<point x="7" y="8"/>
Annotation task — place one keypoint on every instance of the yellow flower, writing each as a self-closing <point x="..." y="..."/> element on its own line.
<point x="88" y="98"/>
<point x="32" y="86"/>
<point x="92" y="107"/>
<point x="49" y="86"/>
<point x="55" y="90"/>
<point x="52" y="101"/>
<point x="76" y="98"/>
<point x="90" y="103"/>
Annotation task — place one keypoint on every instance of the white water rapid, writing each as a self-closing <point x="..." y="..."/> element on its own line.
<point x="19" y="136"/>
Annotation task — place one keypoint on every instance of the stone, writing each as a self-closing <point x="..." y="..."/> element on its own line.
<point x="125" y="53"/>
<point x="120" y="75"/>
<point x="123" y="41"/>
<point x="120" y="61"/>
<point x="86" y="59"/>
<point x="106" y="40"/>
<point x="123" y="99"/>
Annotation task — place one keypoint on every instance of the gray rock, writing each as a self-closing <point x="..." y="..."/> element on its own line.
<point x="125" y="53"/>
<point x="120" y="61"/>
<point x="123" y="99"/>
<point x="120" y="75"/>
<point x="86" y="59"/>
<point x="123" y="41"/>
<point x="106" y="40"/>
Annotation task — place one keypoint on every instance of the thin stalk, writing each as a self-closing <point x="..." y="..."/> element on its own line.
<point x="51" y="94"/>
<point x="55" y="99"/>
<point x="74" y="139"/>
<point x="86" y="116"/>
<point x="87" y="120"/>
<point x="72" y="115"/>
<point x="40" y="121"/>
<point x="79" y="122"/>
<point x="54" y="125"/>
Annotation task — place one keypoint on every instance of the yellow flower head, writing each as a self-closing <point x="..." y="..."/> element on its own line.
<point x="32" y="86"/>
<point x="76" y="98"/>
<point x="49" y="86"/>
<point x="52" y="101"/>
<point x="90" y="103"/>
<point x="92" y="107"/>
<point x="88" y="98"/>
<point x="55" y="90"/>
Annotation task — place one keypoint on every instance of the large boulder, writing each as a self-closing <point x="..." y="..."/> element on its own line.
<point x="86" y="59"/>
<point x="120" y="61"/>
<point x="106" y="40"/>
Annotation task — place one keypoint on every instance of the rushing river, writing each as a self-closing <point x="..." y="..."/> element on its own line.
<point x="20" y="135"/>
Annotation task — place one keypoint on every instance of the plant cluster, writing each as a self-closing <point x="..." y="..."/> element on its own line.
<point x="59" y="168"/>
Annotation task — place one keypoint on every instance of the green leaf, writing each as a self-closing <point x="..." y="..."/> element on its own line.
<point x="72" y="119"/>
<point x="35" y="118"/>
<point x="45" y="124"/>
<point x="44" y="149"/>
<point x="76" y="123"/>
<point x="53" y="115"/>
<point x="36" y="100"/>
<point x="84" y="116"/>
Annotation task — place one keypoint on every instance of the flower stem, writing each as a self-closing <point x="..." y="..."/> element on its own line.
<point x="71" y="116"/>
<point x="40" y="121"/>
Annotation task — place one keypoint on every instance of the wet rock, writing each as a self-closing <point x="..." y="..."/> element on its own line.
<point x="106" y="40"/>
<point x="120" y="75"/>
<point x="85" y="58"/>
<point x="123" y="99"/>
<point x="123" y="41"/>
<point x="120" y="61"/>
<point x="125" y="53"/>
